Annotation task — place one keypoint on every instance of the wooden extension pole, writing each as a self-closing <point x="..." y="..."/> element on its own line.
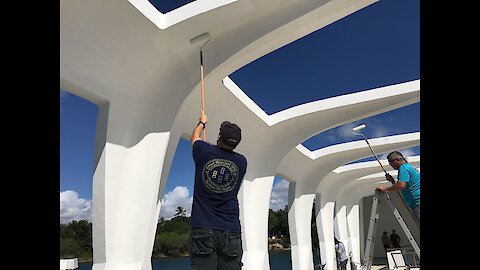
<point x="203" y="92"/>
<point x="194" y="41"/>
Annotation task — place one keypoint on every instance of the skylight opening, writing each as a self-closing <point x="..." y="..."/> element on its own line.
<point x="167" y="13"/>
<point x="371" y="48"/>
<point x="395" y="122"/>
<point x="169" y="5"/>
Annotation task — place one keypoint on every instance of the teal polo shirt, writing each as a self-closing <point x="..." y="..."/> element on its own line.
<point x="410" y="175"/>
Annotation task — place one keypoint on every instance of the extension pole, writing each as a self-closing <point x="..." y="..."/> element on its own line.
<point x="194" y="41"/>
<point x="203" y="91"/>
<point x="355" y="131"/>
<point x="371" y="149"/>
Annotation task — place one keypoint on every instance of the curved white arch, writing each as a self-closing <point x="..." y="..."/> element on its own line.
<point x="266" y="146"/>
<point x="308" y="173"/>
<point x="349" y="179"/>
<point x="337" y="179"/>
<point x="147" y="83"/>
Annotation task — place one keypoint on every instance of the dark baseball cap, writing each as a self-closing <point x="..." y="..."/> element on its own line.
<point x="230" y="133"/>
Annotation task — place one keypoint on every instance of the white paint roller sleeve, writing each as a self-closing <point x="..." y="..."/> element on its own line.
<point x="362" y="126"/>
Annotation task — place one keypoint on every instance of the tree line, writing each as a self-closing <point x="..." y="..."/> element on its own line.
<point x="76" y="240"/>
<point x="171" y="237"/>
<point x="278" y="227"/>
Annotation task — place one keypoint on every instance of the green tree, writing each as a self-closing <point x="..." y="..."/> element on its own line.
<point x="69" y="248"/>
<point x="278" y="225"/>
<point x="76" y="240"/>
<point x="282" y="215"/>
<point x="273" y="223"/>
<point x="172" y="236"/>
<point x="171" y="244"/>
<point x="177" y="224"/>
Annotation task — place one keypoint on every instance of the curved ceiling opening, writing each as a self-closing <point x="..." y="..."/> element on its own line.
<point x="373" y="47"/>
<point x="167" y="13"/>
<point x="167" y="6"/>
<point x="394" y="122"/>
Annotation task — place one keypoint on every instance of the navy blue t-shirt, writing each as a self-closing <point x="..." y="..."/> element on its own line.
<point x="218" y="176"/>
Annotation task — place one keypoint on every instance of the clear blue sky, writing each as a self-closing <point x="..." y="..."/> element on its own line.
<point x="374" y="47"/>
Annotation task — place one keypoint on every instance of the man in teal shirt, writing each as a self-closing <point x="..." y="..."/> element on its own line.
<point x="408" y="182"/>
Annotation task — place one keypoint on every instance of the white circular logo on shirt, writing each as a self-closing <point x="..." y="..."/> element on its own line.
<point x="220" y="175"/>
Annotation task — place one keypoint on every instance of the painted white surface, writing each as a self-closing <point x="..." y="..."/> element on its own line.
<point x="317" y="173"/>
<point x="351" y="194"/>
<point x="348" y="198"/>
<point x="254" y="202"/>
<point x="146" y="83"/>
<point x="300" y="208"/>
<point x="125" y="184"/>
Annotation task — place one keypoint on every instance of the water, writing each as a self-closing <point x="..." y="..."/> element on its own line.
<point x="279" y="260"/>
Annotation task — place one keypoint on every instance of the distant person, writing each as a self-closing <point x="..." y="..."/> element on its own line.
<point x="215" y="238"/>
<point x="386" y="241"/>
<point x="341" y="253"/>
<point x="395" y="239"/>
<point x="408" y="182"/>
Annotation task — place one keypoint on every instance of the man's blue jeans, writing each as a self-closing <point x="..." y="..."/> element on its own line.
<point x="416" y="213"/>
<point x="213" y="249"/>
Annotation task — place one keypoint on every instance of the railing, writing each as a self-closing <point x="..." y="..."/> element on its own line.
<point x="68" y="264"/>
<point x="404" y="258"/>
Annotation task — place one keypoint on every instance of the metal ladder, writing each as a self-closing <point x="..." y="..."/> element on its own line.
<point x="366" y="262"/>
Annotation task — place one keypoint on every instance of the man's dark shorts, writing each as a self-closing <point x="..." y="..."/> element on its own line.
<point x="213" y="249"/>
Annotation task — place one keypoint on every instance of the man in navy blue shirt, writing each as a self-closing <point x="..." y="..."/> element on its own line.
<point x="215" y="238"/>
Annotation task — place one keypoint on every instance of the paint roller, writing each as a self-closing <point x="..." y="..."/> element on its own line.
<point x="355" y="131"/>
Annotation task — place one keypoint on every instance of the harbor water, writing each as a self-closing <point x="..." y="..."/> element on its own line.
<point x="279" y="260"/>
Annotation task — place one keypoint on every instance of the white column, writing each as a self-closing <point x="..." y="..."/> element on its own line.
<point x="342" y="234"/>
<point x="353" y="221"/>
<point x="125" y="211"/>
<point x="324" y="221"/>
<point x="299" y="223"/>
<point x="254" y="201"/>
